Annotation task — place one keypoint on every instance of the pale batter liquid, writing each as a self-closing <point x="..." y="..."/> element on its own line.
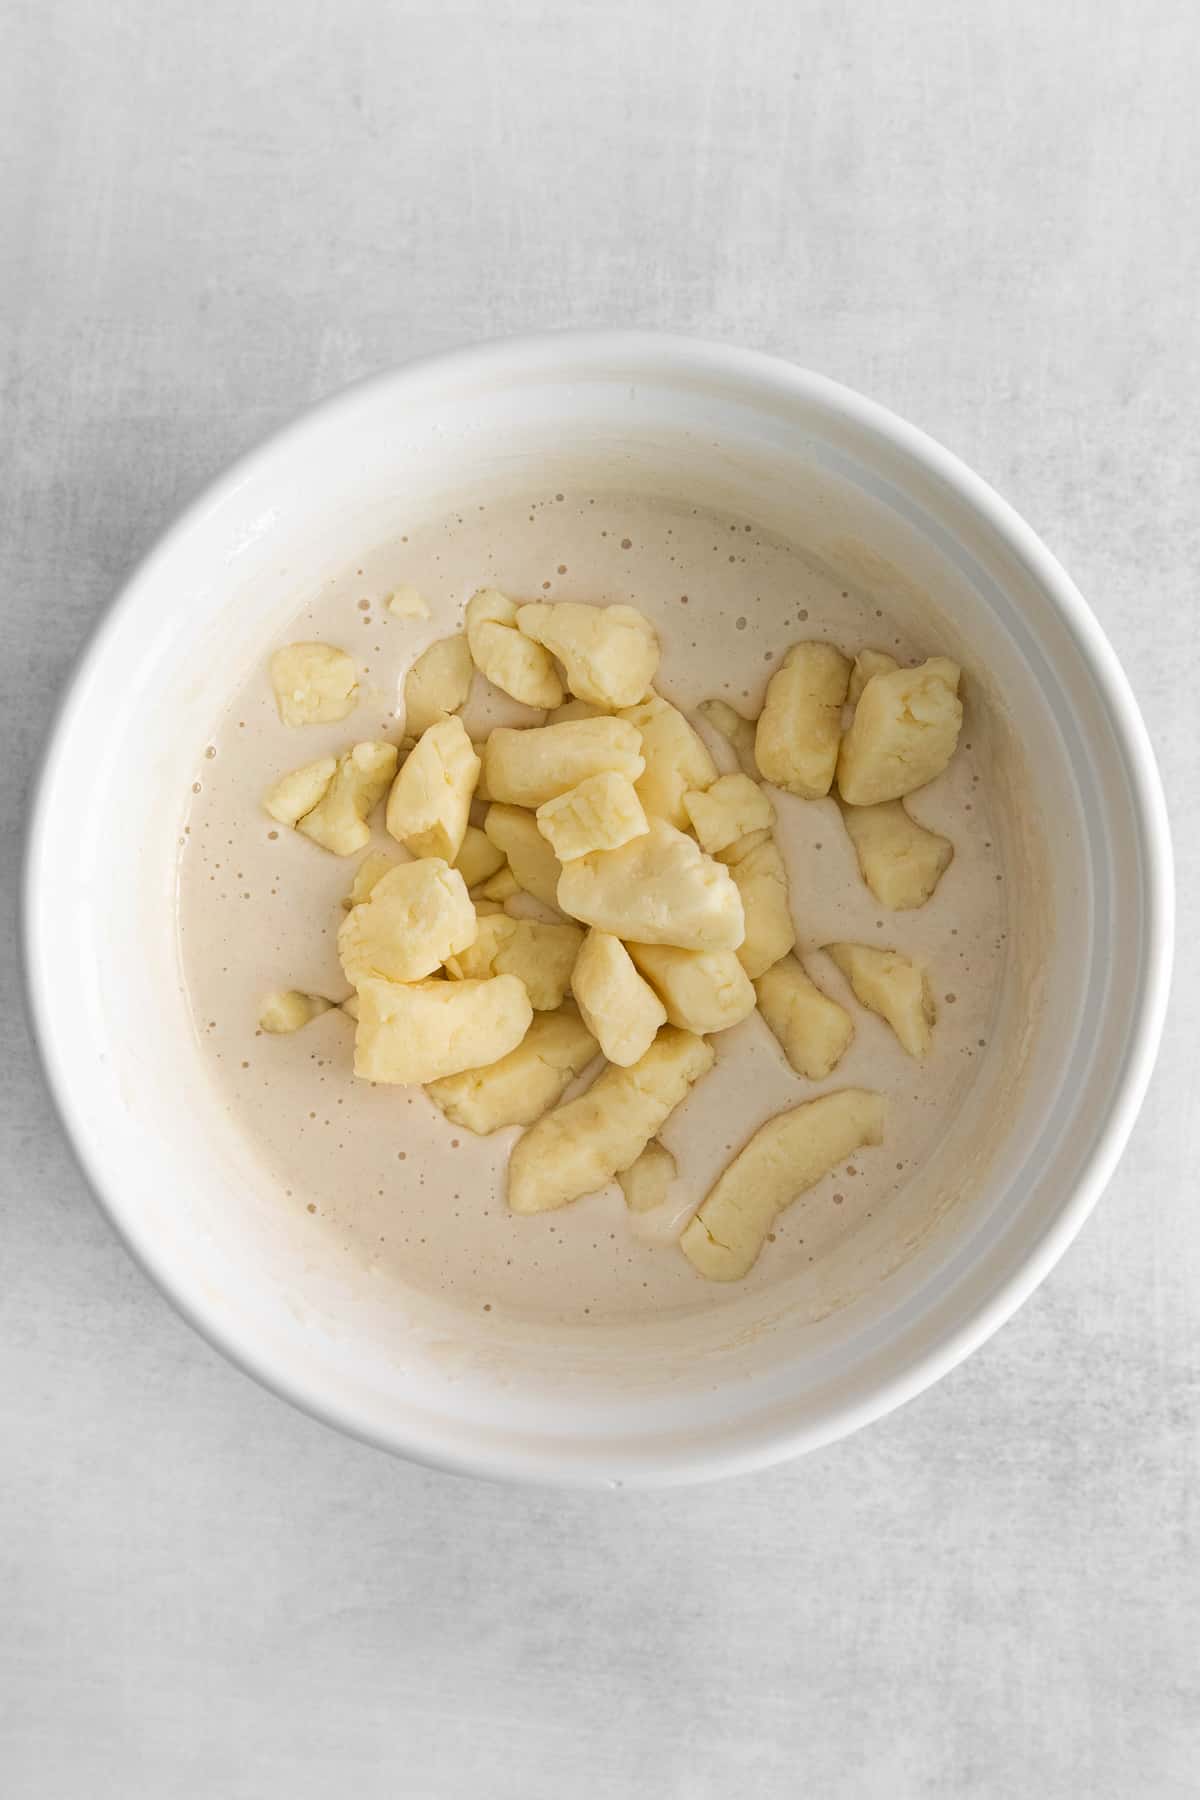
<point x="421" y="1201"/>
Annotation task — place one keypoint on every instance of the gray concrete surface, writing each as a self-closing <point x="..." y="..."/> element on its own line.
<point x="982" y="215"/>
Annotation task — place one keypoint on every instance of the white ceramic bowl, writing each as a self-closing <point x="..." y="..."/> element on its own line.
<point x="856" y="486"/>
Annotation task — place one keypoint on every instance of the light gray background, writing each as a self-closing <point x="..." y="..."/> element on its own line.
<point x="984" y="214"/>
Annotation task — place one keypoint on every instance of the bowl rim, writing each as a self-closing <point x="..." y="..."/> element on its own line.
<point x="735" y="1450"/>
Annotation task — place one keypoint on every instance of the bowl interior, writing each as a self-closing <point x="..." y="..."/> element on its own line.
<point x="871" y="503"/>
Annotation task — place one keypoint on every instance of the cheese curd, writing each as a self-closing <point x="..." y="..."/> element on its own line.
<point x="419" y="1031"/>
<point x="338" y="822"/>
<point x="659" y="888"/>
<point x="602" y="813"/>
<point x="414" y="917"/>
<point x="621" y="1011"/>
<point x="507" y="657"/>
<point x="314" y="684"/>
<point x="610" y="653"/>
<point x="430" y="802"/>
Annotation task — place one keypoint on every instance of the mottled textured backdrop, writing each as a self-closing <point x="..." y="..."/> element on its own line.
<point x="984" y="215"/>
